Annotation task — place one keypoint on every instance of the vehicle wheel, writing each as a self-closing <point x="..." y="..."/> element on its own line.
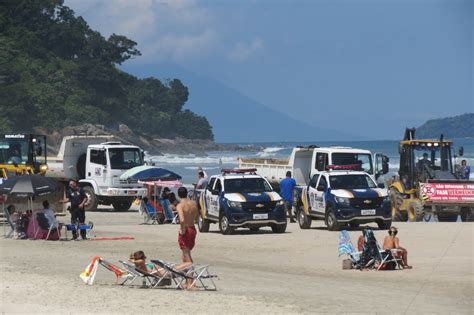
<point x="396" y="199"/>
<point x="467" y="214"/>
<point x="224" y="226"/>
<point x="92" y="202"/>
<point x="203" y="224"/>
<point x="122" y="206"/>
<point x="254" y="228"/>
<point x="384" y="225"/>
<point x="415" y="211"/>
<point x="303" y="220"/>
<point x="279" y="228"/>
<point x="331" y="221"/>
<point x="447" y="218"/>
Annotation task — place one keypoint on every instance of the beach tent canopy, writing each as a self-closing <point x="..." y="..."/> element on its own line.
<point x="28" y="186"/>
<point x="149" y="173"/>
<point x="161" y="183"/>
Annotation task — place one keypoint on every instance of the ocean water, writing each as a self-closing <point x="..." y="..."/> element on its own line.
<point x="187" y="165"/>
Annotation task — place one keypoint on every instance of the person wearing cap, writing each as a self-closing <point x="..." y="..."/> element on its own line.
<point x="391" y="241"/>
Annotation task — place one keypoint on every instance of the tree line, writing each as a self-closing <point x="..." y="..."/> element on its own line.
<point x="55" y="71"/>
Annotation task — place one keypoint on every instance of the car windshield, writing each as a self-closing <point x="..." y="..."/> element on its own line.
<point x="351" y="182"/>
<point x="247" y="185"/>
<point x="364" y="160"/>
<point x="124" y="158"/>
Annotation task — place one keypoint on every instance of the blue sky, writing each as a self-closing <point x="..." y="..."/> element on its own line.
<point x="364" y="67"/>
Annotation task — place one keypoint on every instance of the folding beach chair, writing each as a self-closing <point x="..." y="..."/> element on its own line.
<point x="374" y="256"/>
<point x="152" y="279"/>
<point x="151" y="215"/>
<point x="195" y="273"/>
<point x="389" y="260"/>
<point x="10" y="223"/>
<point x="168" y="213"/>
<point x="347" y="248"/>
<point x="119" y="272"/>
<point x="43" y="224"/>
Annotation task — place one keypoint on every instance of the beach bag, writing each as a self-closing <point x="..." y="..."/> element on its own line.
<point x="346" y="264"/>
<point x="88" y="275"/>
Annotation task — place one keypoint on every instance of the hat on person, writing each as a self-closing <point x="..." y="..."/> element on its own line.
<point x="166" y="189"/>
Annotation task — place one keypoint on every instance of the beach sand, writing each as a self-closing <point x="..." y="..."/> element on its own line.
<point x="295" y="272"/>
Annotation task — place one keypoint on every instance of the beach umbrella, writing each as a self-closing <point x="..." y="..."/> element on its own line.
<point x="28" y="186"/>
<point x="149" y="173"/>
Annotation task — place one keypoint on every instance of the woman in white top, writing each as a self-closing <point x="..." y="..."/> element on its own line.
<point x="49" y="214"/>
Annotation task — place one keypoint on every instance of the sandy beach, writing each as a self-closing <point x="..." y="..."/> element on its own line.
<point x="295" y="272"/>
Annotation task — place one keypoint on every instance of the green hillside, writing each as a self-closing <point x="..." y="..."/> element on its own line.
<point x="461" y="126"/>
<point x="56" y="71"/>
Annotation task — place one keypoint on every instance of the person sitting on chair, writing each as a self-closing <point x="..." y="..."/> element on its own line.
<point x="138" y="258"/>
<point x="49" y="214"/>
<point x="391" y="241"/>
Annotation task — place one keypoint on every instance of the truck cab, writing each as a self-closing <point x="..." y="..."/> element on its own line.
<point x="98" y="166"/>
<point x="342" y="197"/>
<point x="240" y="198"/>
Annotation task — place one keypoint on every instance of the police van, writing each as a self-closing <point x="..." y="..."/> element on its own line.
<point x="240" y="198"/>
<point x="342" y="196"/>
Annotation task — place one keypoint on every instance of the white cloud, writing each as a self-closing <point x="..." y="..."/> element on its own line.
<point x="163" y="29"/>
<point x="244" y="50"/>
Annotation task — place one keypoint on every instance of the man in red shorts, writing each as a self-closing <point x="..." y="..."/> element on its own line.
<point x="188" y="216"/>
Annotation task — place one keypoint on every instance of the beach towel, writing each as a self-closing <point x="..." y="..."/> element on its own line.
<point x="89" y="274"/>
<point x="346" y="246"/>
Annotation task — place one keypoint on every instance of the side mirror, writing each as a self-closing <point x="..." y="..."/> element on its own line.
<point x="321" y="188"/>
<point x="381" y="185"/>
<point x="461" y="151"/>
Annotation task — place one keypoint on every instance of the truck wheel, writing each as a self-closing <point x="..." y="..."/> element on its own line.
<point x="122" y="206"/>
<point x="203" y="224"/>
<point x="331" y="221"/>
<point x="384" y="225"/>
<point x="224" y="225"/>
<point x="448" y="218"/>
<point x="303" y="220"/>
<point x="415" y="211"/>
<point x="397" y="200"/>
<point x="279" y="228"/>
<point x="92" y="202"/>
<point x="467" y="214"/>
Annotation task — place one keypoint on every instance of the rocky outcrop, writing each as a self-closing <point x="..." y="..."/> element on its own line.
<point x="152" y="145"/>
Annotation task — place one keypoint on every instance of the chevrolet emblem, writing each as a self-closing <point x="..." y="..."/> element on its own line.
<point x="259" y="205"/>
<point x="367" y="201"/>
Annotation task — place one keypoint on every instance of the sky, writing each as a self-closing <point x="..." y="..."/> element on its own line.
<point x="369" y="67"/>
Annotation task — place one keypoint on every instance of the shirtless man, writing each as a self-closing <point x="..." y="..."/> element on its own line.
<point x="188" y="215"/>
<point x="391" y="241"/>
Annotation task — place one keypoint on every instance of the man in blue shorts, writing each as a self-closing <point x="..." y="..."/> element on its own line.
<point x="286" y="192"/>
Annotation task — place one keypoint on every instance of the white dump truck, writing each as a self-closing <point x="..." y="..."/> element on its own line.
<point x="97" y="163"/>
<point x="304" y="162"/>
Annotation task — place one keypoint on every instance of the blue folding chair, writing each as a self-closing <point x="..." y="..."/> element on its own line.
<point x="169" y="215"/>
<point x="151" y="214"/>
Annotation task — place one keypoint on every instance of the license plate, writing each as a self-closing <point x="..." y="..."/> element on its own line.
<point x="260" y="216"/>
<point x="132" y="192"/>
<point x="368" y="212"/>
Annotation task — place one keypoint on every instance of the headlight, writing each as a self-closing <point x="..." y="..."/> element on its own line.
<point x="281" y="202"/>
<point x="44" y="167"/>
<point x="342" y="201"/>
<point x="235" y="204"/>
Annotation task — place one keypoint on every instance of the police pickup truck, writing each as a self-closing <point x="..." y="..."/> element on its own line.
<point x="240" y="198"/>
<point x="342" y="197"/>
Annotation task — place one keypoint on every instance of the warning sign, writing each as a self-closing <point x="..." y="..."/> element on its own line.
<point x="447" y="192"/>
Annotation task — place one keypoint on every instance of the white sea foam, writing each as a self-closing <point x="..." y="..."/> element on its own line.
<point x="206" y="168"/>
<point x="192" y="159"/>
<point x="269" y="152"/>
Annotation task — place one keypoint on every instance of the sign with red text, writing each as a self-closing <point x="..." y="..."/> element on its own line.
<point x="446" y="192"/>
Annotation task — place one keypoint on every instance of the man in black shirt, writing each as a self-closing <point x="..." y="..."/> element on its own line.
<point x="76" y="196"/>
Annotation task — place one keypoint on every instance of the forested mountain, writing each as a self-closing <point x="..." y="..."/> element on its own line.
<point x="461" y="126"/>
<point x="56" y="71"/>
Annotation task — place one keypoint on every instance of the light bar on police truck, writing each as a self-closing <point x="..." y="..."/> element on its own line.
<point x="349" y="167"/>
<point x="239" y="171"/>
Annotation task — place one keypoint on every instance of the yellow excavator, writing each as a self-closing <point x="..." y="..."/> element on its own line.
<point x="22" y="154"/>
<point x="428" y="184"/>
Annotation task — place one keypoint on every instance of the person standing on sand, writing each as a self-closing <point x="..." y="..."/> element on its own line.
<point x="286" y="192"/>
<point x="76" y="196"/>
<point x="188" y="216"/>
<point x="465" y="170"/>
<point x="391" y="241"/>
